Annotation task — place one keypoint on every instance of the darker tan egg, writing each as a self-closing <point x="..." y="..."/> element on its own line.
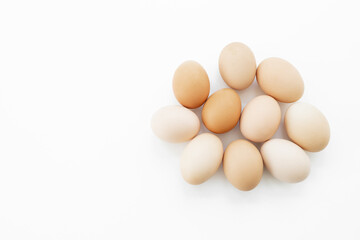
<point x="243" y="165"/>
<point x="221" y="112"/>
<point x="191" y="84"/>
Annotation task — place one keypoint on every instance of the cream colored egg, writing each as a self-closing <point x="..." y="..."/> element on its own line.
<point x="307" y="127"/>
<point x="285" y="160"/>
<point x="279" y="79"/>
<point x="243" y="165"/>
<point x="260" y="118"/>
<point x="175" y="124"/>
<point x="201" y="158"/>
<point x="237" y="65"/>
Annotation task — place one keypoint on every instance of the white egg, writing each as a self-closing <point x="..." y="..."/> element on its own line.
<point x="175" y="124"/>
<point x="285" y="160"/>
<point x="201" y="158"/>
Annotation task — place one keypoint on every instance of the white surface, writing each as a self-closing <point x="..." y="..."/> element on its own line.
<point x="79" y="81"/>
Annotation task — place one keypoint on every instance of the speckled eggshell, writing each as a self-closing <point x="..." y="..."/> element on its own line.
<point x="260" y="118"/>
<point x="285" y="160"/>
<point x="237" y="65"/>
<point x="307" y="127"/>
<point x="221" y="111"/>
<point x="201" y="158"/>
<point x="280" y="79"/>
<point x="175" y="124"/>
<point x="191" y="84"/>
<point x="243" y="165"/>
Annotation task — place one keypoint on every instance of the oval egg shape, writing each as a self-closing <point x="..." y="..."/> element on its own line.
<point x="307" y="127"/>
<point x="221" y="111"/>
<point x="279" y="79"/>
<point x="175" y="124"/>
<point x="285" y="160"/>
<point x="201" y="158"/>
<point x="191" y="84"/>
<point x="260" y="118"/>
<point x="237" y="65"/>
<point x="243" y="165"/>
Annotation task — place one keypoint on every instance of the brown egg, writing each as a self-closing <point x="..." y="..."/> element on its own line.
<point x="191" y="84"/>
<point x="279" y="79"/>
<point x="307" y="127"/>
<point x="237" y="65"/>
<point x="221" y="112"/>
<point x="243" y="165"/>
<point x="260" y="118"/>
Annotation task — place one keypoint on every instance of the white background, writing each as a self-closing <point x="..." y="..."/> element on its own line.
<point x="79" y="81"/>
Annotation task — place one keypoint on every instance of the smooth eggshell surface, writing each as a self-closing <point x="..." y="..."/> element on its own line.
<point x="191" y="84"/>
<point x="279" y="79"/>
<point x="221" y="111"/>
<point x="201" y="158"/>
<point x="175" y="124"/>
<point x="307" y="127"/>
<point x="237" y="65"/>
<point x="285" y="160"/>
<point x="260" y="118"/>
<point x="243" y="165"/>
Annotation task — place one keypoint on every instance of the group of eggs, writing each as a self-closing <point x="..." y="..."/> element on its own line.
<point x="243" y="163"/>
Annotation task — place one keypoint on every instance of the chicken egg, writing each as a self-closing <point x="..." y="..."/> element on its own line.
<point x="260" y="118"/>
<point x="201" y="158"/>
<point x="175" y="124"/>
<point x="243" y="165"/>
<point x="307" y="127"/>
<point x="237" y="65"/>
<point x="191" y="84"/>
<point x="221" y="111"/>
<point x="279" y="79"/>
<point x="285" y="160"/>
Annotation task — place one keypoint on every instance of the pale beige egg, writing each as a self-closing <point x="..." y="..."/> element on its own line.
<point x="201" y="158"/>
<point x="280" y="79"/>
<point x="260" y="118"/>
<point x="307" y="127"/>
<point x="237" y="65"/>
<point x="175" y="124"/>
<point x="191" y="84"/>
<point x="285" y="160"/>
<point x="243" y="165"/>
<point x="221" y="111"/>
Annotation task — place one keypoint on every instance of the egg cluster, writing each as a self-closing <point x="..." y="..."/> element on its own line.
<point x="243" y="163"/>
